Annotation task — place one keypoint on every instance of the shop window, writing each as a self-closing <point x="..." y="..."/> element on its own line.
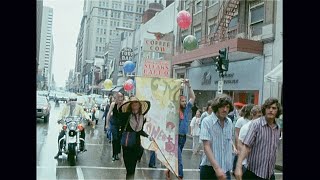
<point x="197" y="34"/>
<point x="233" y="27"/>
<point x="199" y="6"/>
<point x="212" y="2"/>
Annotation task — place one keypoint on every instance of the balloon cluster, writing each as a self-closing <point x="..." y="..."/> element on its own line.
<point x="128" y="85"/>
<point x="184" y="20"/>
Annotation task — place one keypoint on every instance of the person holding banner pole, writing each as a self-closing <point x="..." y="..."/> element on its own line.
<point x="185" y="109"/>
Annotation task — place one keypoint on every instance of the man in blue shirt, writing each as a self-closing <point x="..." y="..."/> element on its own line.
<point x="185" y="108"/>
<point x="217" y="137"/>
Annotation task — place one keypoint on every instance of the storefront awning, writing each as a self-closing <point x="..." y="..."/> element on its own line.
<point x="275" y="75"/>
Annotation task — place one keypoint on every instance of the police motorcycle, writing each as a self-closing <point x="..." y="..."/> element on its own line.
<point x="72" y="125"/>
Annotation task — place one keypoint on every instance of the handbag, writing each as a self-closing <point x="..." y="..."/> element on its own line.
<point x="128" y="139"/>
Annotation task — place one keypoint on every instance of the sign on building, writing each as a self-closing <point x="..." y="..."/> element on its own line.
<point x="125" y="55"/>
<point x="160" y="46"/>
<point x="156" y="68"/>
<point x="220" y="86"/>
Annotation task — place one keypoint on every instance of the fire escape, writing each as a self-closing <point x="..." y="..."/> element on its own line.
<point x="226" y="12"/>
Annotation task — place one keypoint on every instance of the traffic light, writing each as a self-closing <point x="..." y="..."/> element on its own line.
<point x="218" y="63"/>
<point x="223" y="57"/>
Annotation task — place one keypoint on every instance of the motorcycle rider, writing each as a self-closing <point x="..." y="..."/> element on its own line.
<point x="90" y="102"/>
<point x="71" y="109"/>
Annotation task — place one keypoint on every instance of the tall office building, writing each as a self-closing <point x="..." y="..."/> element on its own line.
<point x="102" y="21"/>
<point x="39" y="20"/>
<point x="46" y="48"/>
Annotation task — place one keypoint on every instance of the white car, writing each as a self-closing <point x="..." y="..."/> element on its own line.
<point x="104" y="104"/>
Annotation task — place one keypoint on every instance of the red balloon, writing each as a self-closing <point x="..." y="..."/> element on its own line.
<point x="184" y="19"/>
<point x="128" y="86"/>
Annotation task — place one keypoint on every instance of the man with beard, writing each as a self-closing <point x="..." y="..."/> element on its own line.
<point x="261" y="141"/>
<point x="184" y="110"/>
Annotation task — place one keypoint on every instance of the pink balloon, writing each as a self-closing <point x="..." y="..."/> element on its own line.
<point x="184" y="19"/>
<point x="128" y="86"/>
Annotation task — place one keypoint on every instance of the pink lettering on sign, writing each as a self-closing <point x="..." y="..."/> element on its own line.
<point x="164" y="135"/>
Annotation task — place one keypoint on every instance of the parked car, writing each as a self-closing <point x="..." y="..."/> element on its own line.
<point x="62" y="96"/>
<point x="43" y="108"/>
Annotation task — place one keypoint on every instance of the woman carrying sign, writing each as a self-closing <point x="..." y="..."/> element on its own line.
<point x="132" y="121"/>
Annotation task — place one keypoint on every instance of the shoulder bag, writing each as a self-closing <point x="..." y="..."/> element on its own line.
<point x="128" y="139"/>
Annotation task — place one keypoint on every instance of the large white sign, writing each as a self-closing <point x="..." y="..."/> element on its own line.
<point x="159" y="46"/>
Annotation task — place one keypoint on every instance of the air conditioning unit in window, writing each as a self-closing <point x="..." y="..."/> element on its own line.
<point x="267" y="33"/>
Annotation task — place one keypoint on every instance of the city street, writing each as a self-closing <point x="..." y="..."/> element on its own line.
<point x="96" y="162"/>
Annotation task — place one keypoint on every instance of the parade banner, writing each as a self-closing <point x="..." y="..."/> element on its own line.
<point x="162" y="119"/>
<point x="156" y="68"/>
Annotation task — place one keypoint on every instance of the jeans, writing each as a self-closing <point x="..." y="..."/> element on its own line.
<point x="207" y="172"/>
<point x="181" y="141"/>
<point x="116" y="137"/>
<point x="152" y="161"/>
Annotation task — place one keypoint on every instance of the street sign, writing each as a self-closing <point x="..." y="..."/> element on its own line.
<point x="220" y="86"/>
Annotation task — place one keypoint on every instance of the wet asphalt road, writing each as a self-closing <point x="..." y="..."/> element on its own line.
<point x="96" y="162"/>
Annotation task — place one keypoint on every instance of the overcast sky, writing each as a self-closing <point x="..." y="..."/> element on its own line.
<point x="66" y="26"/>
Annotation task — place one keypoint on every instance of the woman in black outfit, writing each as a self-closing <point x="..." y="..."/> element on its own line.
<point x="113" y="117"/>
<point x="132" y="120"/>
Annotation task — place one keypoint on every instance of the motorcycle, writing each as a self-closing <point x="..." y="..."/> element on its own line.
<point x="72" y="125"/>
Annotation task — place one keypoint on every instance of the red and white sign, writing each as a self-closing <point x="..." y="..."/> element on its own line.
<point x="156" y="68"/>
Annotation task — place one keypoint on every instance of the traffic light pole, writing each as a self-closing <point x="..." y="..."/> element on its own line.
<point x="220" y="86"/>
<point x="222" y="64"/>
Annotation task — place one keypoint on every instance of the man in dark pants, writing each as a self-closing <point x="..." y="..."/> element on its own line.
<point x="114" y="119"/>
<point x="104" y="116"/>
